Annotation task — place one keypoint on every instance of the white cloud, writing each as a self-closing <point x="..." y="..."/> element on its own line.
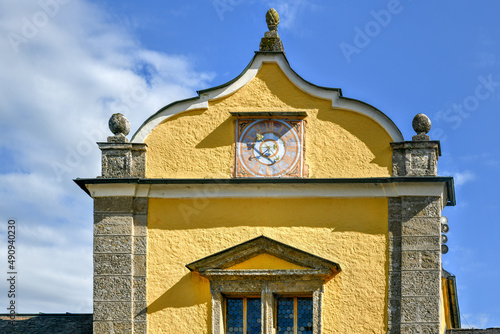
<point x="460" y="177"/>
<point x="464" y="177"/>
<point x="288" y="11"/>
<point x="60" y="82"/>
<point x="474" y="320"/>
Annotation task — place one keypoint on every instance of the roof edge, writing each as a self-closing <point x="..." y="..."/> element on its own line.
<point x="448" y="180"/>
<point x="250" y="71"/>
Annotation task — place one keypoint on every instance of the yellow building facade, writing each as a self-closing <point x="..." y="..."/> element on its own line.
<point x="270" y="205"/>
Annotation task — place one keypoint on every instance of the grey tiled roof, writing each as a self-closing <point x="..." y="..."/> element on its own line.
<point x="46" y="323"/>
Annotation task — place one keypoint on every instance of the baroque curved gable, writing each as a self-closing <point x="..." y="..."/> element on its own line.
<point x="343" y="137"/>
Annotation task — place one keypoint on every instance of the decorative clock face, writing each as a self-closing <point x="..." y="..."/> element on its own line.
<point x="267" y="147"/>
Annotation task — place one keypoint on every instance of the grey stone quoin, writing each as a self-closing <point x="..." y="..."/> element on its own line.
<point x="120" y="239"/>
<point x="415" y="240"/>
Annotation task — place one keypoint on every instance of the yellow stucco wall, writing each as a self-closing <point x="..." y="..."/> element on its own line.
<point x="445" y="307"/>
<point x="338" y="143"/>
<point x="351" y="232"/>
<point x="265" y="261"/>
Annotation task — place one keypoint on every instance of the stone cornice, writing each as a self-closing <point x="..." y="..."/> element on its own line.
<point x="271" y="187"/>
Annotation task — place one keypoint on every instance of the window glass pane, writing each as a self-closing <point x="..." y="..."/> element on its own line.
<point x="253" y="316"/>
<point x="304" y="315"/>
<point x="234" y="315"/>
<point x="285" y="315"/>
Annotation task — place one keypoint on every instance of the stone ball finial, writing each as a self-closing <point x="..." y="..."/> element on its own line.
<point x="421" y="124"/>
<point x="119" y="124"/>
<point x="272" y="19"/>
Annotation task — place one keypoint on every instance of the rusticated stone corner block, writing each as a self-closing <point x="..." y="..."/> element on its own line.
<point x="112" y="264"/>
<point x="139" y="288"/>
<point x="140" y="245"/>
<point x="121" y="160"/>
<point x="394" y="313"/>
<point x="420" y="283"/>
<point x="140" y="225"/>
<point x="420" y="310"/>
<point x="421" y="328"/>
<point x="415" y="158"/>
<point x="117" y="225"/>
<point x="112" y="288"/>
<point x="140" y="205"/>
<point x="421" y="243"/>
<point x="420" y="207"/>
<point x="140" y="265"/>
<point x="106" y="327"/>
<point x="140" y="311"/>
<point x="112" y="311"/>
<point x="395" y="261"/>
<point x="421" y="260"/>
<point x="140" y="327"/>
<point x="112" y="244"/>
<point x="421" y="227"/>
<point x="395" y="285"/>
<point x="116" y="204"/>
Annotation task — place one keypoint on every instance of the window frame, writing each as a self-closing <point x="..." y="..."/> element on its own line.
<point x="245" y="308"/>
<point x="295" y="309"/>
<point x="269" y="291"/>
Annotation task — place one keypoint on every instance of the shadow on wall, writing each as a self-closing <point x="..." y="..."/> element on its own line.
<point x="365" y="215"/>
<point x="221" y="136"/>
<point x="366" y="130"/>
<point x="191" y="290"/>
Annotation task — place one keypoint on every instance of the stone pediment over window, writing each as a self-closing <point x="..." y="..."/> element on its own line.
<point x="265" y="258"/>
<point x="265" y="274"/>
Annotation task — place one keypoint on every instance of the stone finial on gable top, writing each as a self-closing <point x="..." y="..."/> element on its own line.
<point x="271" y="40"/>
<point x="120" y="127"/>
<point x="422" y="125"/>
<point x="272" y="19"/>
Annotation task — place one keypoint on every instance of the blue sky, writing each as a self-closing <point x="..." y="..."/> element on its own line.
<point x="67" y="65"/>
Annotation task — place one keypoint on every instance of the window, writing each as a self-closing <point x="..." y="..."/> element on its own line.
<point x="278" y="300"/>
<point x="243" y="315"/>
<point x="294" y="315"/>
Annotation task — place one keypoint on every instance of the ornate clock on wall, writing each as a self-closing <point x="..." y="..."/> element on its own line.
<point x="269" y="147"/>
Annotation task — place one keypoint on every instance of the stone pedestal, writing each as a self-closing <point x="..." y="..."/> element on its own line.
<point x="123" y="159"/>
<point x="415" y="158"/>
<point x="271" y="42"/>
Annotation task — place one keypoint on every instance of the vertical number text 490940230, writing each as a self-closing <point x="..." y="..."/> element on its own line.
<point x="11" y="265"/>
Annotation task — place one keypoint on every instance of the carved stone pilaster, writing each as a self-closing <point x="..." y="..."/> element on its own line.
<point x="120" y="243"/>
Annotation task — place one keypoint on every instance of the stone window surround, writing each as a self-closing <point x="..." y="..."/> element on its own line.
<point x="269" y="284"/>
